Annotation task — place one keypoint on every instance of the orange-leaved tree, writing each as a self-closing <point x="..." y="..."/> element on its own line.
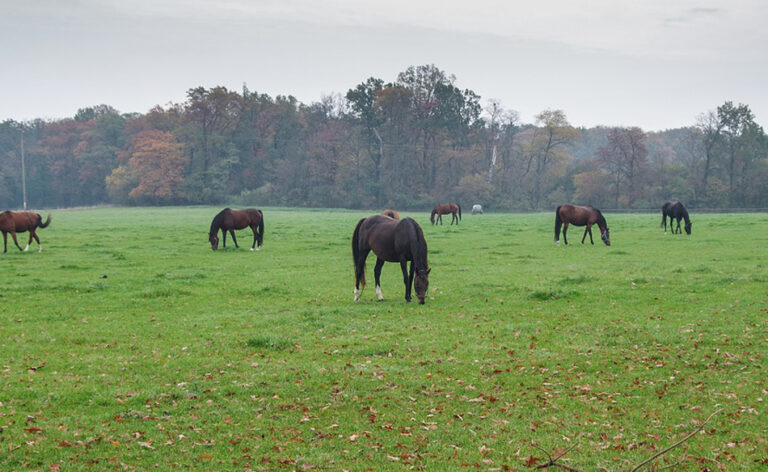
<point x="155" y="169"/>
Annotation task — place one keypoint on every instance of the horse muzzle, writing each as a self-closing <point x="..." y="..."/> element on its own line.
<point x="422" y="300"/>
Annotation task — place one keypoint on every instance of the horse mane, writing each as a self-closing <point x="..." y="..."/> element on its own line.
<point x="216" y="223"/>
<point x="418" y="245"/>
<point x="600" y="217"/>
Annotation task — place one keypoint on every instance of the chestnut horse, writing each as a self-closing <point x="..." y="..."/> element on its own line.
<point x="580" y="216"/>
<point x="675" y="210"/>
<point x="230" y="220"/>
<point x="392" y="241"/>
<point x="18" y="222"/>
<point x="444" y="208"/>
<point x="391" y="213"/>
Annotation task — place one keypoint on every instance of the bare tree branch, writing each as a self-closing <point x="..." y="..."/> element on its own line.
<point x="664" y="451"/>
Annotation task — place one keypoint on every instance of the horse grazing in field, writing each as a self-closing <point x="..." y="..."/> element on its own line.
<point x="391" y="241"/>
<point x="675" y="210"/>
<point x="18" y="222"/>
<point x="391" y="213"/>
<point x="580" y="216"/>
<point x="444" y="208"/>
<point x="477" y="209"/>
<point x="230" y="220"/>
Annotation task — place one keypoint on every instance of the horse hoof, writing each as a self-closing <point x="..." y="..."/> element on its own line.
<point x="251" y="249"/>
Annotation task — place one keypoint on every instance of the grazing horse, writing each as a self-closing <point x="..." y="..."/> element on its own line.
<point x="391" y="241"/>
<point x="443" y="208"/>
<point x="391" y="213"/>
<point x="477" y="209"/>
<point x="230" y="220"/>
<point x="18" y="222"/>
<point x="675" y="210"/>
<point x="580" y="216"/>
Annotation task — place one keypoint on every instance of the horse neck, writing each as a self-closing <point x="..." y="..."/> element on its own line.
<point x="216" y="224"/>
<point x="601" y="223"/>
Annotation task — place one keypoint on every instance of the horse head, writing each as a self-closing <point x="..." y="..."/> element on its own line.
<point x="214" y="239"/>
<point x="688" y="228"/>
<point x="605" y="236"/>
<point x="421" y="284"/>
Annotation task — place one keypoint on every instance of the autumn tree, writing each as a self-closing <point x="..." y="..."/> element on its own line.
<point x="625" y="156"/>
<point x="155" y="170"/>
<point x="213" y="116"/>
<point x="544" y="150"/>
<point x="363" y="102"/>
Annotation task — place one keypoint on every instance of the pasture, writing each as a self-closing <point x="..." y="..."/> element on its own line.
<point x="127" y="344"/>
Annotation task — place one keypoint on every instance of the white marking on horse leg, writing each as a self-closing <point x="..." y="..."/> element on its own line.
<point x="558" y="243"/>
<point x="251" y="249"/>
<point x="258" y="248"/>
<point x="39" y="248"/>
<point x="26" y="248"/>
<point x="357" y="295"/>
<point x="378" y="293"/>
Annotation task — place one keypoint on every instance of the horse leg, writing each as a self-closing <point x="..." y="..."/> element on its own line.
<point x="407" y="278"/>
<point x="440" y="217"/>
<point x="39" y="246"/>
<point x="586" y="230"/>
<point x="253" y="228"/>
<point x="5" y="242"/>
<point x="234" y="239"/>
<point x="360" y="272"/>
<point x="565" y="230"/>
<point x="26" y="248"/>
<point x="223" y="238"/>
<point x="377" y="277"/>
<point x="679" y="231"/>
<point x="15" y="241"/>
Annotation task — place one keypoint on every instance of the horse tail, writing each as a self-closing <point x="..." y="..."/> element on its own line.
<point x="261" y="228"/>
<point x="432" y="215"/>
<point x="558" y="224"/>
<point x="40" y="221"/>
<point x="357" y="255"/>
<point x="459" y="210"/>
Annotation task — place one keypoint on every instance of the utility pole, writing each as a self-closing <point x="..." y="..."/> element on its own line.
<point x="23" y="173"/>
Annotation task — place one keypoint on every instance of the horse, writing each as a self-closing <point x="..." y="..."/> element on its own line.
<point x="391" y="241"/>
<point x="675" y="210"/>
<point x="441" y="209"/>
<point x="580" y="216"/>
<point x="477" y="209"/>
<point x="230" y="220"/>
<point x="19" y="222"/>
<point x="391" y="213"/>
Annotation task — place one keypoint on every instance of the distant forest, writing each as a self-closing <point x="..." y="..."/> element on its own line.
<point x="405" y="144"/>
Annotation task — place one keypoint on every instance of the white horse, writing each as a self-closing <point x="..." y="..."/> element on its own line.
<point x="477" y="209"/>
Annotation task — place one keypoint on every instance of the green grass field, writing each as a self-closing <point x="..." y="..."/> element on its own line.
<point x="129" y="344"/>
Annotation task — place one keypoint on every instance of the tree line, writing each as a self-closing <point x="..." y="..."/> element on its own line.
<point x="405" y="144"/>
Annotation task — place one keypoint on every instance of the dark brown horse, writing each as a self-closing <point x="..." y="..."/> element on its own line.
<point x="675" y="210"/>
<point x="18" y="222"/>
<point x="391" y="213"/>
<point x="445" y="208"/>
<point x="580" y="216"/>
<point x="392" y="241"/>
<point x="230" y="220"/>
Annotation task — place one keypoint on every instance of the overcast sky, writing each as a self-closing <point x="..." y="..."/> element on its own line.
<point x="656" y="64"/>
